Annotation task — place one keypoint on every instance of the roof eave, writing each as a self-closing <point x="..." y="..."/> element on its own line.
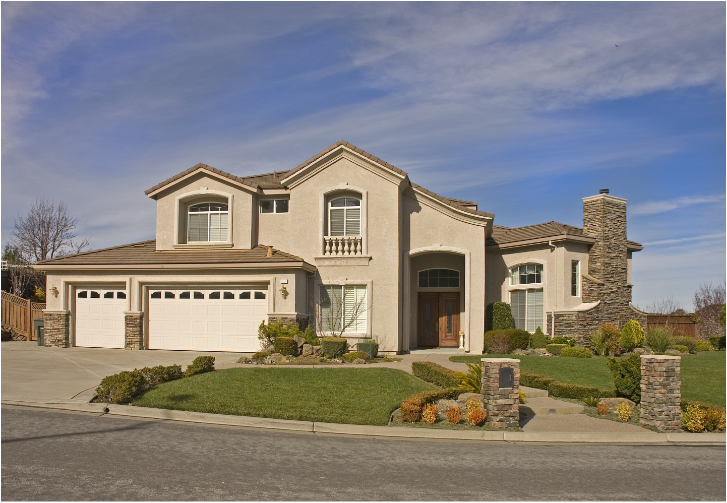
<point x="543" y="240"/>
<point x="293" y="264"/>
<point x="154" y="191"/>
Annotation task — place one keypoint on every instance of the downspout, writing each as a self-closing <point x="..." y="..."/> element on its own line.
<point x="555" y="287"/>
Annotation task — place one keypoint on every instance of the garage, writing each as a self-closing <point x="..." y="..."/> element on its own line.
<point x="218" y="319"/>
<point x="100" y="317"/>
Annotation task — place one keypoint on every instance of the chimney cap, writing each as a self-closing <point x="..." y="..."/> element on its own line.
<point x="603" y="191"/>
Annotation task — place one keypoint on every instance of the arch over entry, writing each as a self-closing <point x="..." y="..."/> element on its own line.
<point x="466" y="302"/>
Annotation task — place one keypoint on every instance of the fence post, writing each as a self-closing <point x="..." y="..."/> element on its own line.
<point x="30" y="320"/>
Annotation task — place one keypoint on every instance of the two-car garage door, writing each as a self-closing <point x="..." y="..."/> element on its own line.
<point x="221" y="319"/>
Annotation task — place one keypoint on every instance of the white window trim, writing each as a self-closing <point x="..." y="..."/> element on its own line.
<point x="539" y="286"/>
<point x="533" y="286"/>
<point x="536" y="262"/>
<point x="578" y="276"/>
<point x="209" y="214"/>
<point x="180" y="205"/>
<point x="343" y="282"/>
<point x="323" y="206"/>
<point x="275" y="206"/>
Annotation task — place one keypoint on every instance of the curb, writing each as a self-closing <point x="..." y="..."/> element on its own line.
<point x="650" y="438"/>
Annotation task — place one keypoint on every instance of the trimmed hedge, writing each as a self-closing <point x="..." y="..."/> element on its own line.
<point x="200" y="365"/>
<point x="568" y="341"/>
<point x="334" y="347"/>
<point x="680" y="348"/>
<point x="556" y="348"/>
<point x="570" y="352"/>
<point x="435" y="374"/>
<point x="124" y="386"/>
<point x="285" y="346"/>
<point x="561" y="389"/>
<point x="355" y="355"/>
<point x="370" y="348"/>
<point x="704" y="346"/>
<point x="411" y="408"/>
<point x="684" y="340"/>
<point x="518" y="339"/>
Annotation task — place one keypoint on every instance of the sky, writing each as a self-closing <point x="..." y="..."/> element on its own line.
<point x="525" y="108"/>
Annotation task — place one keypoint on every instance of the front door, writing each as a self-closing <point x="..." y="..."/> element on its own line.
<point x="438" y="319"/>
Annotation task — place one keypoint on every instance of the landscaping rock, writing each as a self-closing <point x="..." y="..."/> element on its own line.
<point x="244" y="359"/>
<point x="541" y="352"/>
<point x="612" y="403"/>
<point x="639" y="351"/>
<point x="299" y="341"/>
<point x="359" y="361"/>
<point x="675" y="352"/>
<point x="307" y="350"/>
<point x="445" y="404"/>
<point x="317" y="351"/>
<point x="462" y="400"/>
<point x="276" y="358"/>
<point x="521" y="352"/>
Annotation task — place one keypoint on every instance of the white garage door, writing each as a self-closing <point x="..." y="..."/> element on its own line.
<point x="224" y="319"/>
<point x="100" y="318"/>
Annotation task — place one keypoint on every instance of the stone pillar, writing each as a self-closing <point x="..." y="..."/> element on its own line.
<point x="57" y="328"/>
<point x="661" y="392"/>
<point x="134" y="330"/>
<point x="502" y="404"/>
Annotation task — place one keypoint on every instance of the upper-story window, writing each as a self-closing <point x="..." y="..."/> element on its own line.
<point x="274" y="206"/>
<point x="526" y="274"/>
<point x="207" y="222"/>
<point x="344" y="217"/>
<point x="575" y="278"/>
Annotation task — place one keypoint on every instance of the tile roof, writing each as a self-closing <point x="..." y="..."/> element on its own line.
<point x="145" y="253"/>
<point x="245" y="181"/>
<point x="508" y="235"/>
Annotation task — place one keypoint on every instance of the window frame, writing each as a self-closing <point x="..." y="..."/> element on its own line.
<point x="182" y="202"/>
<point x="538" y="321"/>
<point x="209" y="212"/>
<point x="419" y="278"/>
<point x="275" y="206"/>
<point x="575" y="281"/>
<point x="345" y="209"/>
<point x="537" y="273"/>
<point x="367" y="314"/>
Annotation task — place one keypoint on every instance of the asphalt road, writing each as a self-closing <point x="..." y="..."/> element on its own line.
<point x="51" y="455"/>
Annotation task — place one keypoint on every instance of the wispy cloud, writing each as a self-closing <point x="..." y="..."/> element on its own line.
<point x="655" y="207"/>
<point x="692" y="239"/>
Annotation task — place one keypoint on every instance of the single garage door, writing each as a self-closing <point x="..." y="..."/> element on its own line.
<point x="223" y="319"/>
<point x="100" y="318"/>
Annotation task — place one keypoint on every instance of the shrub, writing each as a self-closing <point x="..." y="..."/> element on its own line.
<point x="696" y="414"/>
<point x="685" y="340"/>
<point x="680" y="348"/>
<point x="309" y="334"/>
<point x="159" y="374"/>
<point x="333" y="347"/>
<point x="611" y="339"/>
<point x="556" y="348"/>
<point x="632" y="336"/>
<point x="411" y="408"/>
<point x="591" y="401"/>
<point x="472" y="380"/>
<point x="475" y="412"/>
<point x="261" y="355"/>
<point x="539" y="339"/>
<point x="602" y="408"/>
<point x="267" y="333"/>
<point x="657" y="339"/>
<point x="704" y="346"/>
<point x="598" y="342"/>
<point x="624" y="410"/>
<point x="121" y="387"/>
<point x="370" y="348"/>
<point x="497" y="342"/>
<point x="355" y="355"/>
<point x="568" y="341"/>
<point x="570" y="352"/>
<point x="200" y="365"/>
<point x="521" y="396"/>
<point x="285" y="346"/>
<point x="535" y="380"/>
<point x="717" y="341"/>
<point x="499" y="316"/>
<point x="627" y="376"/>
<point x="519" y="339"/>
<point x="576" y="391"/>
<point x="454" y="414"/>
<point x="429" y="413"/>
<point x="436" y="374"/>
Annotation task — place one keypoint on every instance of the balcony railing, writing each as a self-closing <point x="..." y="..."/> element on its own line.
<point x="342" y="246"/>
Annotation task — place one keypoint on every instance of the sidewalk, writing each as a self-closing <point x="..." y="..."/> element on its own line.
<point x="65" y="378"/>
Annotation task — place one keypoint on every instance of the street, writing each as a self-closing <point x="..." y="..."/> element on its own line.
<point x="51" y="455"/>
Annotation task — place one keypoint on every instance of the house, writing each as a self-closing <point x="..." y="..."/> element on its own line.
<point x="345" y="242"/>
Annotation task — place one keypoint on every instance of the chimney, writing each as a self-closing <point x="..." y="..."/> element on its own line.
<point x="270" y="251"/>
<point x="604" y="218"/>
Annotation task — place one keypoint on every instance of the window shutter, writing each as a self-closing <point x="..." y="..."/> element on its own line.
<point x="337" y="221"/>
<point x="353" y="222"/>
<point x="198" y="227"/>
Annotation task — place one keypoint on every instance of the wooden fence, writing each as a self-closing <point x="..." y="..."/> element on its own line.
<point x="19" y="314"/>
<point x="680" y="323"/>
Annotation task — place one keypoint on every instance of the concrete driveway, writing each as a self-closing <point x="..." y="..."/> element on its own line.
<point x="37" y="373"/>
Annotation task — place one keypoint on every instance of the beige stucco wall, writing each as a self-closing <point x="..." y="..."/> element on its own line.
<point x="200" y="188"/>
<point x="556" y="273"/>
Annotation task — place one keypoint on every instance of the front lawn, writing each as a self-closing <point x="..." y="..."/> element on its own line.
<point x="703" y="375"/>
<point x="332" y="395"/>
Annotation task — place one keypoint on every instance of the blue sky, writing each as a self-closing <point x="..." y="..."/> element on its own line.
<point x="523" y="107"/>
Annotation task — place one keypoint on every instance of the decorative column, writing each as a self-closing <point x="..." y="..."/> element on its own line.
<point x="134" y="330"/>
<point x="661" y="392"/>
<point x="500" y="389"/>
<point x="57" y="328"/>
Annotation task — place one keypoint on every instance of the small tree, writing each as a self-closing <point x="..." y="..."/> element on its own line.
<point x="708" y="302"/>
<point x="666" y="305"/>
<point x="47" y="232"/>
<point x="24" y="280"/>
<point x="632" y="335"/>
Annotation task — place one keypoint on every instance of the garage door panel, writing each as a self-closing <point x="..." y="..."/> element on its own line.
<point x="99" y="319"/>
<point x="228" y="323"/>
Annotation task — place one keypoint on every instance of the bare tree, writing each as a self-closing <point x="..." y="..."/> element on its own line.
<point x="338" y="308"/>
<point x="47" y="232"/>
<point x="708" y="302"/>
<point x="666" y="305"/>
<point x="20" y="273"/>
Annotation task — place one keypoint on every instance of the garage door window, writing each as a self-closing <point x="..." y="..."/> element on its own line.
<point x="83" y="294"/>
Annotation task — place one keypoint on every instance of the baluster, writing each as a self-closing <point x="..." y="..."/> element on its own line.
<point x="358" y="246"/>
<point x="338" y="247"/>
<point x="348" y="246"/>
<point x="326" y="246"/>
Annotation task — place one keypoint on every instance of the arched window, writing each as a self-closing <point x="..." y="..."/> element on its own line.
<point x="344" y="217"/>
<point x="439" y="278"/>
<point x="207" y="222"/>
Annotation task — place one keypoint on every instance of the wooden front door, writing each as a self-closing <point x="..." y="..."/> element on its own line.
<point x="438" y="319"/>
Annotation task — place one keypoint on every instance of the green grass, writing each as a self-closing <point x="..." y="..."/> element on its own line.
<point x="703" y="375"/>
<point x="333" y="395"/>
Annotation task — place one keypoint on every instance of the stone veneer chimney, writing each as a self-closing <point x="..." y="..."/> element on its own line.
<point x="604" y="218"/>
